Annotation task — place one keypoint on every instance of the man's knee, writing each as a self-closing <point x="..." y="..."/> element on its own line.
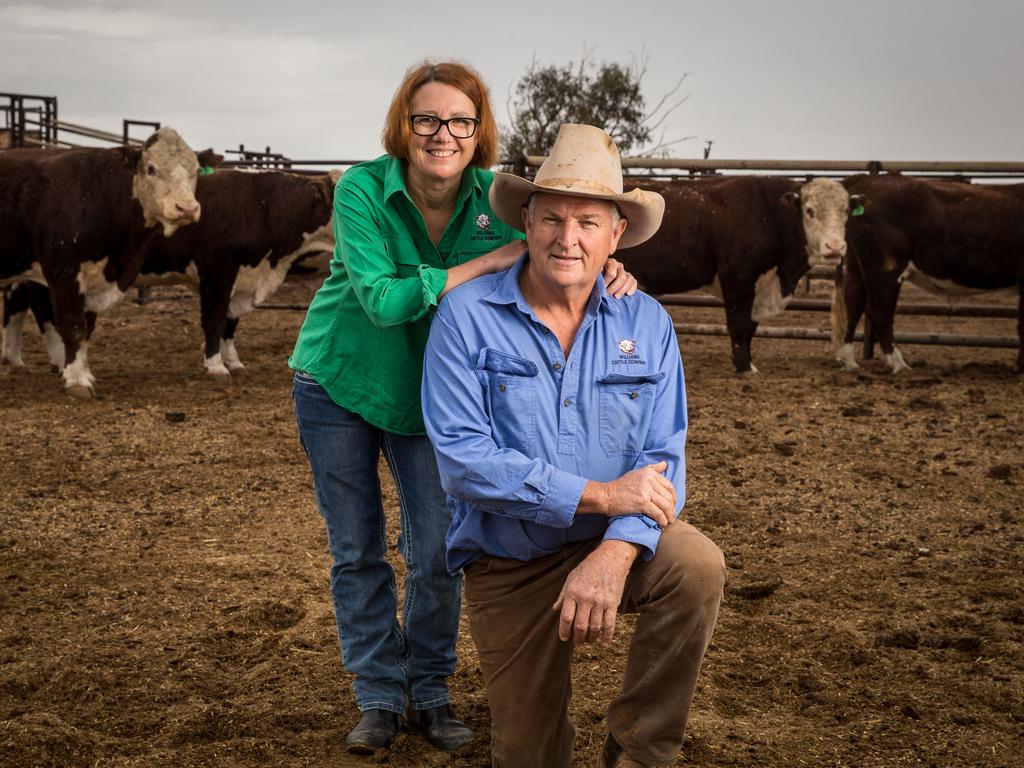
<point x="692" y="563"/>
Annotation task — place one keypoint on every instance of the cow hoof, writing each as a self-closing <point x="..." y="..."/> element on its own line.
<point x="236" y="367"/>
<point x="80" y="391"/>
<point x="15" y="369"/>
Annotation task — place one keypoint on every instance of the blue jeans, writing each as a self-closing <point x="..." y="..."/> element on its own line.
<point x="393" y="663"/>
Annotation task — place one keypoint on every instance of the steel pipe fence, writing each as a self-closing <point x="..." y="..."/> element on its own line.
<point x="813" y="334"/>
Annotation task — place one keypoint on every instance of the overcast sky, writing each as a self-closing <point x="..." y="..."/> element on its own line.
<point x="861" y="79"/>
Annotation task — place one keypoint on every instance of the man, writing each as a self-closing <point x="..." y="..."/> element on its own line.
<point x="559" y="420"/>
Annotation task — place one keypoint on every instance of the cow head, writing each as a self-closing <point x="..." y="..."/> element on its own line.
<point x="165" y="180"/>
<point x="824" y="205"/>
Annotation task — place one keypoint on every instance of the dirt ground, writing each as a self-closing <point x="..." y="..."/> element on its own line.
<point x="164" y="595"/>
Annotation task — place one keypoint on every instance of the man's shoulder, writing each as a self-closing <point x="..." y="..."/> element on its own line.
<point x="471" y="293"/>
<point x="641" y="306"/>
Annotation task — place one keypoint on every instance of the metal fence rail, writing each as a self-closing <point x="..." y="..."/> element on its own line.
<point x="821" y="305"/>
<point x="813" y="334"/>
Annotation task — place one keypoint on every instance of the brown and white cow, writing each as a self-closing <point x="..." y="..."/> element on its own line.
<point x="255" y="226"/>
<point x="948" y="238"/>
<point x="80" y="221"/>
<point x="746" y="239"/>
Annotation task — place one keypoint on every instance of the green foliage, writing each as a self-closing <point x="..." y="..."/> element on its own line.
<point x="608" y="96"/>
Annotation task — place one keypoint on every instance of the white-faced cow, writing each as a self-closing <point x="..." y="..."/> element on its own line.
<point x="948" y="238"/>
<point x="80" y="221"/>
<point x="746" y="239"/>
<point x="255" y="226"/>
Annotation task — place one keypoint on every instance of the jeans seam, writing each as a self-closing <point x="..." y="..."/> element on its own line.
<point x="393" y="584"/>
<point x="410" y="590"/>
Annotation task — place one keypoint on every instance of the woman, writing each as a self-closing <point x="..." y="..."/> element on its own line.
<point x="410" y="226"/>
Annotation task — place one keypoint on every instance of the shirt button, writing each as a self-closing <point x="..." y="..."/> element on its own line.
<point x="501" y="387"/>
<point x="567" y="402"/>
<point x="557" y="366"/>
<point x="634" y="395"/>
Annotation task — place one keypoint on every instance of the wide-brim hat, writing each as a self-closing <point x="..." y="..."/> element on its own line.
<point x="584" y="162"/>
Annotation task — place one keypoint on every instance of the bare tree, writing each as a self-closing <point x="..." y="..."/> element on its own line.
<point x="609" y="95"/>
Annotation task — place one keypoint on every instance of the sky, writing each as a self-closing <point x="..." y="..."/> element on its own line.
<point x="863" y="80"/>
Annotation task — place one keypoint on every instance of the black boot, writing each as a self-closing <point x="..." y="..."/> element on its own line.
<point x="375" y="730"/>
<point x="610" y="753"/>
<point x="441" y="727"/>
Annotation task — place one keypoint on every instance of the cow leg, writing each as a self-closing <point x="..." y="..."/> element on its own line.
<point x="855" y="298"/>
<point x="227" y="346"/>
<point x="71" y="325"/>
<point x="741" y="326"/>
<point x="881" y="309"/>
<point x="42" y="308"/>
<point x="214" y="297"/>
<point x="1020" y="325"/>
<point x="15" y="312"/>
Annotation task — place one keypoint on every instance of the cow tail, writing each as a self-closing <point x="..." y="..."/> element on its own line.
<point x="839" y="308"/>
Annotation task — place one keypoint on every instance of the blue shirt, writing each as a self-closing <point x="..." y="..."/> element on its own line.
<point x="518" y="429"/>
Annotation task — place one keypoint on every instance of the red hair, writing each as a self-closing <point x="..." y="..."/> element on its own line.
<point x="395" y="135"/>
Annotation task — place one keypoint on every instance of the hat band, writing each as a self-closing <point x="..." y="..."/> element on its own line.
<point x="577" y="185"/>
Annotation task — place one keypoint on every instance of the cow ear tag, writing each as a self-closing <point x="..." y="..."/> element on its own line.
<point x="206" y="170"/>
<point x="858" y="211"/>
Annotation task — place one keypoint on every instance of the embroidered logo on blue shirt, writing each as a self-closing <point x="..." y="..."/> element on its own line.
<point x="628" y="354"/>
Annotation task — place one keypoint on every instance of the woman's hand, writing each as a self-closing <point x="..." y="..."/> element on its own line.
<point x="504" y="257"/>
<point x="617" y="280"/>
<point x="495" y="261"/>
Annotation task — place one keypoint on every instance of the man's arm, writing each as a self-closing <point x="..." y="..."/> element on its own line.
<point x="473" y="467"/>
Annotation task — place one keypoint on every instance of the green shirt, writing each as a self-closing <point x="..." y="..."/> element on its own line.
<point x="364" y="334"/>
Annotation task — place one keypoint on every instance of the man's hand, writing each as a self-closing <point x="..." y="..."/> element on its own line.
<point x="589" y="600"/>
<point x="643" y="491"/>
<point x="618" y="282"/>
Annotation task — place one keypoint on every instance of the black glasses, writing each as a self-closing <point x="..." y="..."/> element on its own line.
<point x="458" y="127"/>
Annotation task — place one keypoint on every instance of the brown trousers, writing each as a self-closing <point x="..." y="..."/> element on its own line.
<point x="526" y="668"/>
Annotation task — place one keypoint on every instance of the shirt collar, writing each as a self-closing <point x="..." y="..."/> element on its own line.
<point x="394" y="181"/>
<point x="507" y="291"/>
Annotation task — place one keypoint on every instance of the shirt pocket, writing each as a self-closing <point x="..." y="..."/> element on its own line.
<point x="510" y="390"/>
<point x="626" y="403"/>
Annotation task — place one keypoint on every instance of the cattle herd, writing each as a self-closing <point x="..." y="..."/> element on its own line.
<point x="79" y="227"/>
